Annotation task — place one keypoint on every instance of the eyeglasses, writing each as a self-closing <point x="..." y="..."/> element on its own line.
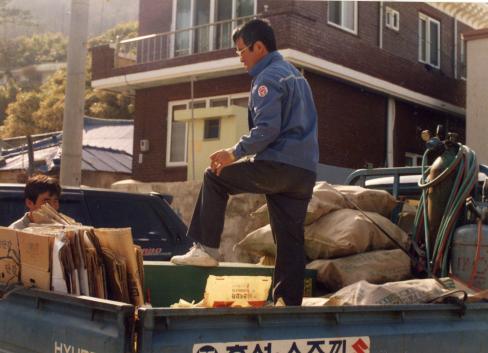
<point x="240" y="51"/>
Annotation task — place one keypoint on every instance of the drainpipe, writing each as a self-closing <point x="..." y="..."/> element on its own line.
<point x="455" y="48"/>
<point x="192" y="89"/>
<point x="380" y="34"/>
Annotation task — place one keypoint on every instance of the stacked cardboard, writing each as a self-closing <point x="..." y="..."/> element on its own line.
<point x="9" y="257"/>
<point x="61" y="255"/>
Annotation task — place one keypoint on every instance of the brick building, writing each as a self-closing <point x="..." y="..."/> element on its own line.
<point x="380" y="73"/>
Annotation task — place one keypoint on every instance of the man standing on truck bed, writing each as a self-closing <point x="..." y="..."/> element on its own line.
<point x="39" y="189"/>
<point x="283" y="138"/>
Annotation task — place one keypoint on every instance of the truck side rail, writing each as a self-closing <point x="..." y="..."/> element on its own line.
<point x="423" y="328"/>
<point x="35" y="320"/>
<point x="359" y="177"/>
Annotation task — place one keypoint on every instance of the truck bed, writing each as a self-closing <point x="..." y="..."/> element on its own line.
<point x="39" y="321"/>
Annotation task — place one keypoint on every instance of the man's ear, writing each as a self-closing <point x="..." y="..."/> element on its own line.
<point x="260" y="47"/>
<point x="29" y="204"/>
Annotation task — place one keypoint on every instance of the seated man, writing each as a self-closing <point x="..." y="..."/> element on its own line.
<point x="39" y="189"/>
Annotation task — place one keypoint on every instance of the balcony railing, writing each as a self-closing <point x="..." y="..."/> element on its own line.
<point x="182" y="42"/>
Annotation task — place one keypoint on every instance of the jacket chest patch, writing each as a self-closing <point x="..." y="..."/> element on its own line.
<point x="262" y="90"/>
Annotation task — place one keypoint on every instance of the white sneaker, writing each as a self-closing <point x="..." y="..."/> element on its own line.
<point x="195" y="257"/>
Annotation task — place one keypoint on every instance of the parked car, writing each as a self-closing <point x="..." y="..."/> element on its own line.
<point x="155" y="226"/>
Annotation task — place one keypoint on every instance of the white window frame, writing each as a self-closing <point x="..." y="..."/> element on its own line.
<point x="415" y="157"/>
<point x="428" y="20"/>
<point x="390" y="17"/>
<point x="211" y="20"/>
<point x="462" y="59"/>
<point x="340" y="26"/>
<point x="187" y="102"/>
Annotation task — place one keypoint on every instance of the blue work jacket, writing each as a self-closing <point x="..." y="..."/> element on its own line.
<point x="283" y="117"/>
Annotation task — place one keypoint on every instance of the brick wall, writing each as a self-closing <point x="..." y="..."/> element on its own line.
<point x="409" y="123"/>
<point x="352" y="123"/>
<point x="352" y="119"/>
<point x="303" y="26"/>
<point x="155" y="16"/>
<point x="405" y="42"/>
<point x="314" y="36"/>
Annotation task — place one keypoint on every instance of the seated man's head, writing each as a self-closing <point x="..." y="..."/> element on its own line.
<point x="41" y="189"/>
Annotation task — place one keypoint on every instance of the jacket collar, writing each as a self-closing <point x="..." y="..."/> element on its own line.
<point x="264" y="62"/>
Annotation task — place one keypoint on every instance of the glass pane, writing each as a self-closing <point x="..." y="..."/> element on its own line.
<point x="244" y="8"/>
<point x="408" y="161"/>
<point x="241" y="102"/>
<point x="178" y="137"/>
<point x="212" y="129"/>
<point x="335" y="12"/>
<point x="219" y="102"/>
<point x="223" y="31"/>
<point x="202" y="16"/>
<point x="422" y="41"/>
<point x="197" y="104"/>
<point x="434" y="43"/>
<point x="348" y="8"/>
<point x="388" y="18"/>
<point x="463" y="48"/>
<point x="183" y="20"/>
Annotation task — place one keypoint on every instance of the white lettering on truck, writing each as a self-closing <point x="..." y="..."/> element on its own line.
<point x="60" y="347"/>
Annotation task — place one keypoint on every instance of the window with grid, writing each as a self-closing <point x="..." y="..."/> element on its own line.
<point x="392" y="19"/>
<point x="343" y="14"/>
<point x="204" y="13"/>
<point x="429" y="41"/>
<point x="177" y="134"/>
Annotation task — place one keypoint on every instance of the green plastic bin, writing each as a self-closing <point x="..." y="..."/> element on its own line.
<point x="166" y="283"/>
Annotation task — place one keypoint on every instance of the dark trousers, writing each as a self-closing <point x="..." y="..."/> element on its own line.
<point x="288" y="190"/>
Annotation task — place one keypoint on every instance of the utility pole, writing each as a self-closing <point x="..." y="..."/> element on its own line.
<point x="74" y="104"/>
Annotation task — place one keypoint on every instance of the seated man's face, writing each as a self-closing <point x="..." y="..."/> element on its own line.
<point x="43" y="198"/>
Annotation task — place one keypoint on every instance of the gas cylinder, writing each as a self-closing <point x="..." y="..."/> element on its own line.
<point x="441" y="153"/>
<point x="438" y="193"/>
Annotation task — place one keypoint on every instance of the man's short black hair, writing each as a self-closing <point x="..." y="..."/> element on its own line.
<point x="256" y="30"/>
<point x="39" y="184"/>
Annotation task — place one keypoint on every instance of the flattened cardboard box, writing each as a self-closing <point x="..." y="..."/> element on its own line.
<point x="36" y="255"/>
<point x="9" y="256"/>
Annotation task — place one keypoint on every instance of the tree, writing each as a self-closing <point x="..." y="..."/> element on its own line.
<point x="42" y="110"/>
<point x="19" y="115"/>
<point x="123" y="31"/>
<point x="9" y="15"/>
<point x="37" y="49"/>
<point x="8" y="92"/>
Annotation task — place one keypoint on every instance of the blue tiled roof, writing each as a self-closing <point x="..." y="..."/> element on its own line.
<point x="107" y="146"/>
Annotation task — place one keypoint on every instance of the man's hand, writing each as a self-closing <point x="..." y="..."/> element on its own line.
<point x="220" y="159"/>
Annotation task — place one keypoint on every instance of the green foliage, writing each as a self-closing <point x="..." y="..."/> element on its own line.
<point x="37" y="49"/>
<point x="41" y="110"/>
<point x="105" y="104"/>
<point x="19" y="115"/>
<point x="8" y="93"/>
<point x="123" y="31"/>
<point x="9" y="15"/>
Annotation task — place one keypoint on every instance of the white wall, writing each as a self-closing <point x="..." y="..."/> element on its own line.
<point x="477" y="95"/>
